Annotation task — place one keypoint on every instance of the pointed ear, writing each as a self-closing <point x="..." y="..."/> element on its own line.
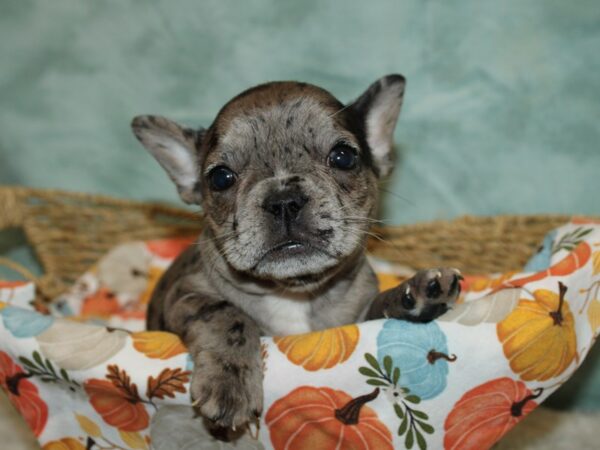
<point x="175" y="149"/>
<point x="378" y="109"/>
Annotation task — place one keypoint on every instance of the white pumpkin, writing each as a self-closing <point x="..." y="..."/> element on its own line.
<point x="78" y="346"/>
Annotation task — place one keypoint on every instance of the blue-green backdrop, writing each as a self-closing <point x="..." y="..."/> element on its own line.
<point x="501" y="112"/>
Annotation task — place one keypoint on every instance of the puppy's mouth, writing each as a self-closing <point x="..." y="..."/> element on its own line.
<point x="289" y="249"/>
<point x="292" y="258"/>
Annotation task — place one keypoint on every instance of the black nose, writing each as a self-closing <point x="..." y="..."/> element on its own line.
<point x="285" y="205"/>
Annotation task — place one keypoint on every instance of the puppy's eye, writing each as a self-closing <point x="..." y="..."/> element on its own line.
<point x="342" y="157"/>
<point x="221" y="178"/>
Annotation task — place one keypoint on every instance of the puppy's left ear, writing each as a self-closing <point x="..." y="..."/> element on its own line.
<point x="176" y="150"/>
<point x="378" y="109"/>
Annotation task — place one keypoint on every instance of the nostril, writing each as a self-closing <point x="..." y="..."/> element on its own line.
<point x="285" y="206"/>
<point x="293" y="207"/>
<point x="275" y="208"/>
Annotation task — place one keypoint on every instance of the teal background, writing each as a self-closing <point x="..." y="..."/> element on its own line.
<point x="501" y="112"/>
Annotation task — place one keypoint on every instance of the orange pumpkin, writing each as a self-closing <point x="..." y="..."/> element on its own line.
<point x="23" y="394"/>
<point x="12" y="284"/>
<point x="538" y="337"/>
<point x="169" y="248"/>
<point x="310" y="418"/>
<point x="116" y="408"/>
<point x="575" y="260"/>
<point x="486" y="413"/>
<point x="582" y="220"/>
<point x="478" y="283"/>
<point x="101" y="304"/>
<point x="64" y="444"/>
<point x="320" y="349"/>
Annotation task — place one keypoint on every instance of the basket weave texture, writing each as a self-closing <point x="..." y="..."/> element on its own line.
<point x="69" y="232"/>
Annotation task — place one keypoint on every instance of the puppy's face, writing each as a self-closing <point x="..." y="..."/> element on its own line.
<point x="286" y="174"/>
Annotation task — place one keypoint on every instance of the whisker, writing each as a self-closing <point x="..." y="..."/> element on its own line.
<point x="387" y="191"/>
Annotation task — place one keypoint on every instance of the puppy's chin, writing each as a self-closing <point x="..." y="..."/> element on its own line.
<point x="295" y="264"/>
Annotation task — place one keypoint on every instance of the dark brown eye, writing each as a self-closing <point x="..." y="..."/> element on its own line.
<point x="342" y="157"/>
<point x="221" y="178"/>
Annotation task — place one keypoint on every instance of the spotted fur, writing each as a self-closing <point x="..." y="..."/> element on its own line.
<point x="240" y="281"/>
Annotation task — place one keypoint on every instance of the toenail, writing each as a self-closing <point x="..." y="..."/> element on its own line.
<point x="455" y="286"/>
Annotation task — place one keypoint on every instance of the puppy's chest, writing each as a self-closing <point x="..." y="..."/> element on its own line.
<point x="279" y="315"/>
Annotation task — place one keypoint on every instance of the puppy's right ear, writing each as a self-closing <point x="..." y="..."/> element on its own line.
<point x="175" y="149"/>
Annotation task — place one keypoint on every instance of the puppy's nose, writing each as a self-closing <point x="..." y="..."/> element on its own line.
<point x="285" y="205"/>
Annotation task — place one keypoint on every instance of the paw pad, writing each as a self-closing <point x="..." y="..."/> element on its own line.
<point x="408" y="301"/>
<point x="434" y="288"/>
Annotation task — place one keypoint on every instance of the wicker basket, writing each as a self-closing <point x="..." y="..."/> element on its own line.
<point x="69" y="232"/>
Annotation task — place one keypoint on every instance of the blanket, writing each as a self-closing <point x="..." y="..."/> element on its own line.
<point x="85" y="375"/>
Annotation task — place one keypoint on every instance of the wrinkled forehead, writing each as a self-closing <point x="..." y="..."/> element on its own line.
<point x="280" y="120"/>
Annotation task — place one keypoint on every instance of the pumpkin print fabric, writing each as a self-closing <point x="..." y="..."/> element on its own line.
<point x="89" y="376"/>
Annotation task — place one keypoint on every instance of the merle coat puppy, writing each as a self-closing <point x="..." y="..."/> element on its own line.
<point x="287" y="178"/>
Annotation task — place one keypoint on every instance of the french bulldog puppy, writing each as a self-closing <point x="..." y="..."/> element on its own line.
<point x="287" y="179"/>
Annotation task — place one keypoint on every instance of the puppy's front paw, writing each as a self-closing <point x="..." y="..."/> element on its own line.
<point x="425" y="296"/>
<point x="228" y="394"/>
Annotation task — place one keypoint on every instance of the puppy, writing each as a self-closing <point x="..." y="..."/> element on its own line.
<point x="287" y="179"/>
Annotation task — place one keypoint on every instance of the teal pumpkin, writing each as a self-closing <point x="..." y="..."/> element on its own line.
<point x="420" y="351"/>
<point x="543" y="258"/>
<point x="23" y="323"/>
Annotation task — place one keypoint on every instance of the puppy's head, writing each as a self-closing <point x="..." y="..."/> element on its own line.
<point x="286" y="174"/>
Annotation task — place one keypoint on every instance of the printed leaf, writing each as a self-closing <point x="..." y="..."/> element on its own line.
<point x="426" y="427"/>
<point x="420" y="414"/>
<point x="398" y="410"/>
<point x="51" y="368"/>
<point x="387" y="364"/>
<point x="122" y="382"/>
<point x="409" y="440"/>
<point x="374" y="382"/>
<point x="368" y="372"/>
<point x="413" y="399"/>
<point x="403" y="426"/>
<point x="570" y="240"/>
<point x="64" y="375"/>
<point x="133" y="439"/>
<point x="27" y="362"/>
<point x="396" y="376"/>
<point x="38" y="359"/>
<point x="373" y="362"/>
<point x="167" y="383"/>
<point x="421" y="441"/>
<point x="88" y="426"/>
